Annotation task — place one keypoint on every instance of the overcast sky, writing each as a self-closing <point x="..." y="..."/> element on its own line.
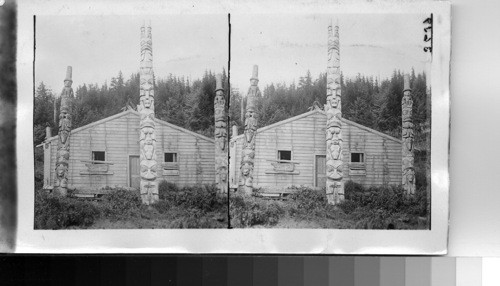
<point x="286" y="46"/>
<point x="98" y="47"/>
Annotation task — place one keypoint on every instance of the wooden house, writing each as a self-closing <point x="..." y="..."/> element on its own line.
<point x="292" y="152"/>
<point x="106" y="154"/>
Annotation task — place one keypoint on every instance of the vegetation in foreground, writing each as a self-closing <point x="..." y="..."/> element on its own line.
<point x="188" y="207"/>
<point x="364" y="208"/>
<point x="201" y="207"/>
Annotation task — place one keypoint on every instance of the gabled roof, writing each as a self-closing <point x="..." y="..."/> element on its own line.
<point x="315" y="111"/>
<point x="136" y="113"/>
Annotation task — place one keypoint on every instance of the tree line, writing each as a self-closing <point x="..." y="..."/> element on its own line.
<point x="178" y="100"/>
<point x="189" y="103"/>
<point x="370" y="102"/>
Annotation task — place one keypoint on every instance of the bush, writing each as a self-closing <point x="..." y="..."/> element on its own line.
<point x="121" y="203"/>
<point x="391" y="199"/>
<point x="249" y="211"/>
<point x="308" y="202"/>
<point x="165" y="188"/>
<point x="204" y="198"/>
<point x="54" y="212"/>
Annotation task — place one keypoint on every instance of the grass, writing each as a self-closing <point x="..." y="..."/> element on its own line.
<point x="372" y="208"/>
<point x="189" y="207"/>
<point x="201" y="207"/>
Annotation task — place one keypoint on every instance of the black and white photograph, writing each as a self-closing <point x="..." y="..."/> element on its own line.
<point x="334" y="130"/>
<point x="132" y="140"/>
<point x="174" y="128"/>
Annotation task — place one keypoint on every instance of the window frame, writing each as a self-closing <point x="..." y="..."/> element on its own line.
<point x="279" y="153"/>
<point x="94" y="153"/>
<point x="176" y="157"/>
<point x="362" y="157"/>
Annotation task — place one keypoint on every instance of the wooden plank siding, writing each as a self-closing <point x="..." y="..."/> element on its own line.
<point x="119" y="138"/>
<point x="305" y="135"/>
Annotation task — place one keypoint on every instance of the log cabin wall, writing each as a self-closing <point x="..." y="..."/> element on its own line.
<point x="118" y="137"/>
<point x="304" y="136"/>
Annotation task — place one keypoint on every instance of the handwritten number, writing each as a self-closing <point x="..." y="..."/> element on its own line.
<point x="428" y="38"/>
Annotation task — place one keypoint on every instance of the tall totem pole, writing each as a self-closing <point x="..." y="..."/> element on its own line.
<point x="407" y="134"/>
<point x="248" y="150"/>
<point x="334" y="164"/>
<point x="147" y="139"/>
<point x="221" y="143"/>
<point x="62" y="160"/>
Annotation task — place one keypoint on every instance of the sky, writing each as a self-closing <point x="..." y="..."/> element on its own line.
<point x="98" y="47"/>
<point x="285" y="47"/>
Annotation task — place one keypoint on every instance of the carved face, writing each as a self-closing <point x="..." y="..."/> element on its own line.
<point x="147" y="135"/>
<point x="63" y="155"/>
<point x="334" y="101"/>
<point x="410" y="176"/>
<point x="220" y="132"/>
<point x="148" y="170"/>
<point x="61" y="170"/>
<point x="408" y="162"/>
<point x="334" y="170"/>
<point x="245" y="170"/>
<point x="67" y="83"/>
<point x="148" y="187"/>
<point x="220" y="125"/>
<point x="147" y="100"/>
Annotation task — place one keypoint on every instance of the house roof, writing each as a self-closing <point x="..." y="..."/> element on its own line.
<point x="130" y="111"/>
<point x="315" y="111"/>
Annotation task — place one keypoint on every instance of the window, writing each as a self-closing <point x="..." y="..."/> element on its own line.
<point x="98" y="156"/>
<point x="170" y="157"/>
<point x="284" y="155"/>
<point x="357" y="157"/>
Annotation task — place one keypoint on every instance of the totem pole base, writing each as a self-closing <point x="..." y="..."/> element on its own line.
<point x="62" y="192"/>
<point x="248" y="191"/>
<point x="149" y="199"/>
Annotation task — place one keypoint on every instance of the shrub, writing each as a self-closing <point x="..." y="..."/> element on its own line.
<point x="390" y="199"/>
<point x="166" y="188"/>
<point x="308" y="202"/>
<point x="204" y="198"/>
<point x="121" y="203"/>
<point x="54" y="212"/>
<point x="249" y="211"/>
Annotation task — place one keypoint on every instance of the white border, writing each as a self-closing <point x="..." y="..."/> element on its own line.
<point x="284" y="241"/>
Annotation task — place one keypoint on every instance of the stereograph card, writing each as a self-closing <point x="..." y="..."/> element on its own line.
<point x="233" y="128"/>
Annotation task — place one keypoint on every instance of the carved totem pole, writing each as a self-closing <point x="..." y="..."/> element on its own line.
<point x="407" y="134"/>
<point x="334" y="164"/>
<point x="221" y="143"/>
<point x="147" y="139"/>
<point x="248" y="150"/>
<point x="62" y="160"/>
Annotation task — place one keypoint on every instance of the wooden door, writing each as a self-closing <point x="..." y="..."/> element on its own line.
<point x="320" y="176"/>
<point x="134" y="175"/>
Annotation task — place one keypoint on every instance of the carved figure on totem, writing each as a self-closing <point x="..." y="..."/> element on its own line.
<point x="407" y="134"/>
<point x="147" y="138"/>
<point x="63" y="146"/>
<point x="409" y="180"/>
<point x="248" y="150"/>
<point x="221" y="157"/>
<point x="333" y="110"/>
